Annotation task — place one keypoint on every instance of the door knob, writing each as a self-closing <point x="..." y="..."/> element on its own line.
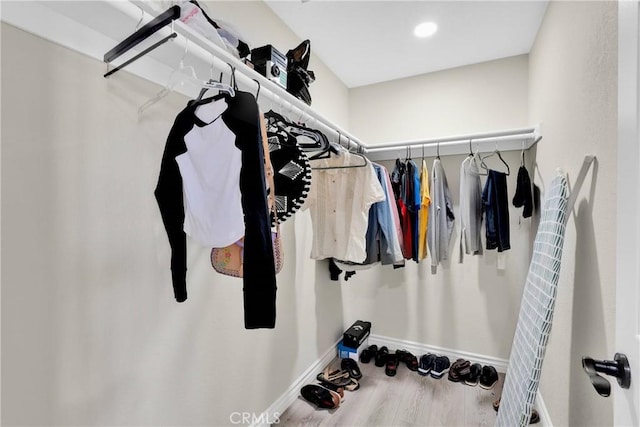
<point x="618" y="367"/>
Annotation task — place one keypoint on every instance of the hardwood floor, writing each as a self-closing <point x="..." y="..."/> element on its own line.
<point x="407" y="399"/>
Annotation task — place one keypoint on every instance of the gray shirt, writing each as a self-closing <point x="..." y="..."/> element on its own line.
<point x="441" y="216"/>
<point x="470" y="208"/>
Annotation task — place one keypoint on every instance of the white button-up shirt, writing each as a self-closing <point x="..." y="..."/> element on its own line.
<point x="339" y="202"/>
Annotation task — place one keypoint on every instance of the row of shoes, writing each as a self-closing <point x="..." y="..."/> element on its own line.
<point x="382" y="357"/>
<point x="329" y="392"/>
<point x="432" y="364"/>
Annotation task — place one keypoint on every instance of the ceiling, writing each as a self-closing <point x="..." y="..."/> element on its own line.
<point x="366" y="42"/>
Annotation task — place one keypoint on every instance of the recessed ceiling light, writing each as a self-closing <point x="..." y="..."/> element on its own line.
<point x="426" y="29"/>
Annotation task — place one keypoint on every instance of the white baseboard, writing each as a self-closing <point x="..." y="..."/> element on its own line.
<point x="291" y="394"/>
<point x="309" y="375"/>
<point x="420" y="349"/>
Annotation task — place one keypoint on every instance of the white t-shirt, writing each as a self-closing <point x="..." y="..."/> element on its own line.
<point x="210" y="170"/>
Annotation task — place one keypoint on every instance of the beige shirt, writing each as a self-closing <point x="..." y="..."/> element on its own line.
<point x="339" y="202"/>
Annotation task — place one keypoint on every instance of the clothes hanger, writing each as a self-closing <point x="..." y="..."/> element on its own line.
<point x="496" y="151"/>
<point x="179" y="76"/>
<point x="218" y="84"/>
<point x="438" y="150"/>
<point x="348" y="150"/>
<point x="522" y="155"/>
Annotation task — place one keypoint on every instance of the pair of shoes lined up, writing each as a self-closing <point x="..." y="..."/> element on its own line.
<point x="382" y="357"/>
<point x="434" y="365"/>
<point x="473" y="374"/>
<point x="329" y="392"/>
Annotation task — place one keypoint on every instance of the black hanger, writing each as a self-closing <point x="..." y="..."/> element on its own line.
<point x="438" y="150"/>
<point x="143" y="33"/>
<point x="496" y="151"/>
<point x="365" y="162"/>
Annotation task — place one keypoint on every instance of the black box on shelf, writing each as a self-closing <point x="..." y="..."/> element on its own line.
<point x="272" y="64"/>
<point x="356" y="334"/>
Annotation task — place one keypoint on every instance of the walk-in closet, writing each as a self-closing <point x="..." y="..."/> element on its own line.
<point x="307" y="212"/>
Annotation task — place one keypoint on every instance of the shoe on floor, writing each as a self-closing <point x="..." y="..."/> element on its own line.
<point x="426" y="363"/>
<point x="488" y="377"/>
<point x="391" y="365"/>
<point x="381" y="356"/>
<point x="459" y="370"/>
<point x="352" y="367"/>
<point x="409" y="359"/>
<point x="368" y="353"/>
<point x="319" y="396"/>
<point x="440" y="367"/>
<point x="474" y="375"/>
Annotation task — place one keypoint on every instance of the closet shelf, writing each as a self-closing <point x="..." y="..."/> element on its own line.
<point x="93" y="28"/>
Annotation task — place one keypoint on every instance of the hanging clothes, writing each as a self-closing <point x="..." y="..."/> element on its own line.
<point x="382" y="241"/>
<point x="441" y="217"/>
<point x="259" y="283"/>
<point x="339" y="202"/>
<point x="415" y="201"/>
<point x="523" y="196"/>
<point x="470" y="208"/>
<point x="210" y="171"/>
<point x="425" y="201"/>
<point x="399" y="185"/>
<point x="496" y="205"/>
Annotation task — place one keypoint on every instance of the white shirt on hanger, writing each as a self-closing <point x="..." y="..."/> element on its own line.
<point x="339" y="202"/>
<point x="210" y="170"/>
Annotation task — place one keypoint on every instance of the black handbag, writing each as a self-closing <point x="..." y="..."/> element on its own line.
<point x="298" y="77"/>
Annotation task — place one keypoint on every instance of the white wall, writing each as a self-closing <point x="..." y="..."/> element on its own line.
<point x="471" y="307"/>
<point x="573" y="87"/>
<point x="91" y="333"/>
<point x="476" y="98"/>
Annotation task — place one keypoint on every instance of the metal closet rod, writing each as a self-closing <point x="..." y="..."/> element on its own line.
<point x="477" y="138"/>
<point x="223" y="60"/>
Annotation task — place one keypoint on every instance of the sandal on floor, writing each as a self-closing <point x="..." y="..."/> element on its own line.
<point x="337" y="377"/>
<point x="333" y="387"/>
<point x="351" y="366"/>
<point x="335" y="396"/>
<point x="392" y="365"/>
<point x="459" y="370"/>
<point x="368" y="353"/>
<point x="319" y="396"/>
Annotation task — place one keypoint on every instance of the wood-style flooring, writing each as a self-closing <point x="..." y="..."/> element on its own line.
<point x="407" y="399"/>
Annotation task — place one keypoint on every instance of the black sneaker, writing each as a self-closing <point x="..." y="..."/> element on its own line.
<point x="440" y="367"/>
<point x="488" y="377"/>
<point x="426" y="363"/>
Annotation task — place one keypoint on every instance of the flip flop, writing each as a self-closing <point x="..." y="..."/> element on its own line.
<point x="337" y="377"/>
